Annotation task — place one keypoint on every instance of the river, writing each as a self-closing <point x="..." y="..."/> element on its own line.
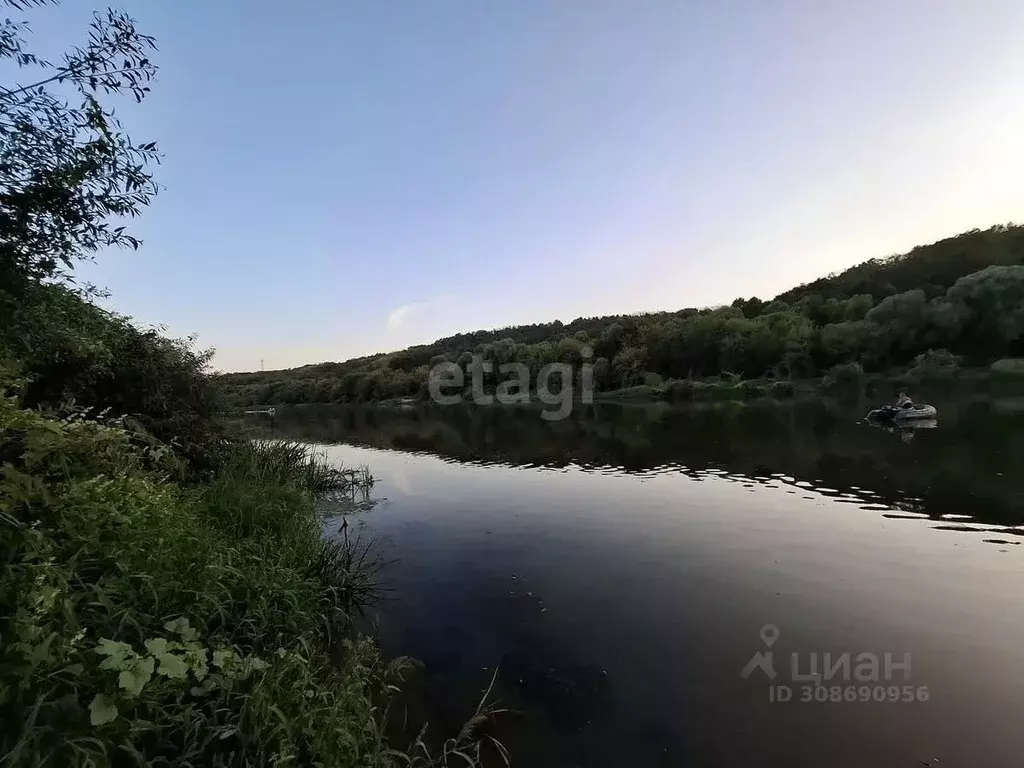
<point x="658" y="586"/>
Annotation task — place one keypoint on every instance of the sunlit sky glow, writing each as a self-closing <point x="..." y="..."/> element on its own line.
<point x="351" y="177"/>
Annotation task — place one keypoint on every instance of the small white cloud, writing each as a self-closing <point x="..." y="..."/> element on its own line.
<point x="399" y="316"/>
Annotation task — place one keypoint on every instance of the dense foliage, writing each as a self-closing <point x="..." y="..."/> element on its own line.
<point x="69" y="174"/>
<point x="963" y="295"/>
<point x="76" y="354"/>
<point x="150" y="623"/>
<point x="70" y="177"/>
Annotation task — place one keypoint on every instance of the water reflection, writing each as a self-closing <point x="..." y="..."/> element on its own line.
<point x="618" y="569"/>
<point x="967" y="466"/>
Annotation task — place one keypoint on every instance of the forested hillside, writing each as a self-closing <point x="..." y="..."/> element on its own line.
<point x="963" y="294"/>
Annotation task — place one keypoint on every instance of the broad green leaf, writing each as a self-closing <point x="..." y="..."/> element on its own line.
<point x="115" y="652"/>
<point x="109" y="647"/>
<point x="172" y="666"/>
<point x="223" y="658"/>
<point x="175" y="625"/>
<point x="157" y="646"/>
<point x="134" y="679"/>
<point x="102" y="710"/>
<point x="180" y="627"/>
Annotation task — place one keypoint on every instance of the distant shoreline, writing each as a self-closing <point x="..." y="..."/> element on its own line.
<point x="712" y="389"/>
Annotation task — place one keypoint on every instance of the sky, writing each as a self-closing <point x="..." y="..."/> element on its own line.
<point x="342" y="178"/>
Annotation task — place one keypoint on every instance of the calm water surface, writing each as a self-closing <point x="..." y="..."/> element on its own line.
<point x="622" y="567"/>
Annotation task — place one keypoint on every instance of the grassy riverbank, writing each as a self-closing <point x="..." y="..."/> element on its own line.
<point x="149" y="621"/>
<point x="174" y="599"/>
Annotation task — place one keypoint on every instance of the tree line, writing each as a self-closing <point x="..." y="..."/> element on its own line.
<point x="963" y="295"/>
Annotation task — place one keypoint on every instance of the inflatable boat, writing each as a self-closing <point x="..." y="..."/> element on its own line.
<point x="907" y="413"/>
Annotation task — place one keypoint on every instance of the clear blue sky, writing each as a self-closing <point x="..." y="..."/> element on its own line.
<point x="350" y="177"/>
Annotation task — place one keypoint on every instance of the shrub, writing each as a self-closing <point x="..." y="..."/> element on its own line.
<point x="73" y="353"/>
<point x="170" y="622"/>
<point x="651" y="379"/>
<point x="935" y="364"/>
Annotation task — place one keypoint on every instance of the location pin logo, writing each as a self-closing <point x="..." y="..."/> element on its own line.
<point x="763" y="659"/>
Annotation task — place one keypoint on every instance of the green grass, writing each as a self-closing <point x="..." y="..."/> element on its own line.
<point x="144" y="622"/>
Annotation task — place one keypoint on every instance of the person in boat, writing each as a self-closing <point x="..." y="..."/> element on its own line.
<point x="904" y="401"/>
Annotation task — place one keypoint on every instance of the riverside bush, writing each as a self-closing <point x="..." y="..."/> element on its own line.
<point x="145" y="622"/>
<point x="935" y="364"/>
